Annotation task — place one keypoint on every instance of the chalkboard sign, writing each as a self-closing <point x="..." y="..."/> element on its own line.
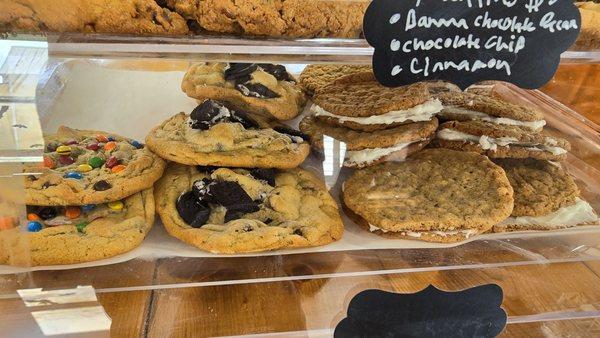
<point x="467" y="41"/>
<point x="474" y="312"/>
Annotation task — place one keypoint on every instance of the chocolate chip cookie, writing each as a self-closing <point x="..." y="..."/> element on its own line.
<point x="90" y="167"/>
<point x="436" y="194"/>
<point x="216" y="134"/>
<point x="226" y="210"/>
<point x="258" y="88"/>
<point x="76" y="234"/>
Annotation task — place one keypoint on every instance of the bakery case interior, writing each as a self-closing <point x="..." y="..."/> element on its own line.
<point x="222" y="185"/>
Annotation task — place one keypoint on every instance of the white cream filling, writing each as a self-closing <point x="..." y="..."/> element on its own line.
<point x="490" y="143"/>
<point x="579" y="213"/>
<point x="476" y="115"/>
<point x="466" y="232"/>
<point x="422" y="112"/>
<point x="372" y="154"/>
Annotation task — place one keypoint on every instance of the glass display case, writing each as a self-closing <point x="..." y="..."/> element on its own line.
<point x="164" y="285"/>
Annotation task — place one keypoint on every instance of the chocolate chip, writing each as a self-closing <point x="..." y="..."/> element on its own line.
<point x="32" y="177"/>
<point x="191" y="210"/>
<point x="246" y="121"/>
<point x="256" y="90"/>
<point x="291" y="132"/>
<point x="47" y="185"/>
<point x="47" y="213"/>
<point x="264" y="174"/>
<point x="208" y="114"/>
<point x="278" y="71"/>
<point x="298" y="232"/>
<point x="102" y="185"/>
<point x="239" y="70"/>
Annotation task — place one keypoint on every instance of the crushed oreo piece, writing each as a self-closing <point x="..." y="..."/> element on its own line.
<point x="256" y="90"/>
<point x="239" y="210"/>
<point x="202" y="189"/>
<point x="237" y="71"/>
<point x="246" y="121"/>
<point x="191" y="210"/>
<point x="229" y="193"/>
<point x="208" y="114"/>
<point x="295" y="135"/>
<point x="278" y="71"/>
<point x="267" y="175"/>
<point x="206" y="169"/>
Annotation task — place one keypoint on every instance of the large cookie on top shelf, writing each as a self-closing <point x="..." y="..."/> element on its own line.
<point x="90" y="167"/>
<point x="139" y="17"/>
<point x="435" y="191"/>
<point x="257" y="88"/>
<point x="98" y="232"/>
<point x="214" y="134"/>
<point x="224" y="210"/>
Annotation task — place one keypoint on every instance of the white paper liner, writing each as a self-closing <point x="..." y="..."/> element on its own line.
<point x="128" y="103"/>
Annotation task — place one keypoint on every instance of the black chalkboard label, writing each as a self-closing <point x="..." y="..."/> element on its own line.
<point x="467" y="41"/>
<point x="474" y="312"/>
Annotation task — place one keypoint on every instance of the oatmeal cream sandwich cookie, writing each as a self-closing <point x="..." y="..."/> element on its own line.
<point x="369" y="148"/>
<point x="76" y="234"/>
<point x="500" y="141"/>
<point x="546" y="197"/>
<point x="90" y="167"/>
<point x="253" y="87"/>
<point x="316" y="76"/>
<point x="369" y="106"/>
<point x="229" y="210"/>
<point x="216" y="134"/>
<point x="469" y="107"/>
<point x="436" y="195"/>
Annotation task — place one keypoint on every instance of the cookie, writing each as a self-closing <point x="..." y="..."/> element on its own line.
<point x="228" y="211"/>
<point x="258" y="88"/>
<point x="369" y="106"/>
<point x="364" y="148"/>
<point x="468" y="106"/>
<point x="578" y="214"/>
<point x="316" y="76"/>
<point x="433" y="190"/>
<point x="500" y="141"/>
<point x="69" y="235"/>
<point x="139" y="17"/>
<point x="589" y="36"/>
<point x="215" y="134"/>
<point x="290" y="18"/>
<point x="448" y="236"/>
<point x="540" y="187"/>
<point x="90" y="167"/>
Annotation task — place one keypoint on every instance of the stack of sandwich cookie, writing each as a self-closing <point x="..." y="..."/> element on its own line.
<point x="376" y="121"/>
<point x="436" y="195"/>
<point x="217" y="134"/>
<point x="92" y="199"/>
<point x="233" y="210"/>
<point x="546" y="197"/>
<point x="257" y="88"/>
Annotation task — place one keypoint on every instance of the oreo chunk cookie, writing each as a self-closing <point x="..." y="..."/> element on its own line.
<point x="211" y="112"/>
